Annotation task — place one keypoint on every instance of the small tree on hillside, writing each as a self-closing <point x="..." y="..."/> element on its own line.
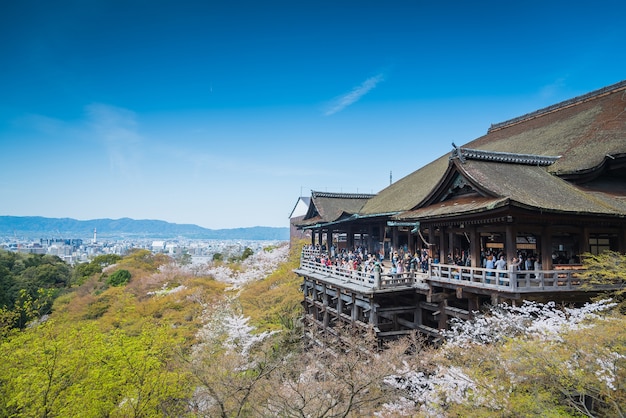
<point x="119" y="278"/>
<point x="607" y="268"/>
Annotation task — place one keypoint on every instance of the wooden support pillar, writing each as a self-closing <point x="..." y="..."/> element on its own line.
<point x="443" y="245"/>
<point x="546" y="247"/>
<point x="373" y="313"/>
<point x="443" y="317"/>
<point x="314" y="307"/>
<point x="417" y="315"/>
<point x="355" y="312"/>
<point x="510" y="242"/>
<point x="329" y="239"/>
<point x="584" y="241"/>
<point x="473" y="305"/>
<point x="350" y="238"/>
<point x="495" y="299"/>
<point x="325" y="303"/>
<point x="475" y="246"/>
<point x="394" y="238"/>
<point x="339" y="302"/>
<point x="370" y="238"/>
<point x="450" y="250"/>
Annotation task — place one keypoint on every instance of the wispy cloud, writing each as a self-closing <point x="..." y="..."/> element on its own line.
<point x="354" y="95"/>
<point x="116" y="128"/>
<point x="553" y="89"/>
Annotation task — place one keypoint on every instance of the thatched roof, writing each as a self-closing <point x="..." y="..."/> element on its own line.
<point x="409" y="191"/>
<point x="583" y="132"/>
<point x="520" y="185"/>
<point x="534" y="187"/>
<point x="457" y="207"/>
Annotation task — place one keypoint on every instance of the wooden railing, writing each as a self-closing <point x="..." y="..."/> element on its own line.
<point x="368" y="279"/>
<point x="507" y="280"/>
<point x="525" y="281"/>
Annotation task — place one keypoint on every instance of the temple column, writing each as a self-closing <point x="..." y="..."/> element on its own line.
<point x="450" y="249"/>
<point x="475" y="246"/>
<point x="329" y="239"/>
<point x="350" y="237"/>
<point x="443" y="247"/>
<point x="583" y="246"/>
<point x="325" y="304"/>
<point x="510" y="242"/>
<point x="546" y="247"/>
<point x="355" y="308"/>
<point x="394" y="238"/>
<point x="370" y="238"/>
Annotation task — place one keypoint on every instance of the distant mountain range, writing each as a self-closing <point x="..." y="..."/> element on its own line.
<point x="35" y="227"/>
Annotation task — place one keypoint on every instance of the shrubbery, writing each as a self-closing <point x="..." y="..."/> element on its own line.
<point x="119" y="278"/>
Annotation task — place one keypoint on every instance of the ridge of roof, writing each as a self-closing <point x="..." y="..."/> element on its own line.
<point x="558" y="106"/>
<point x="315" y="194"/>
<point x="502" y="157"/>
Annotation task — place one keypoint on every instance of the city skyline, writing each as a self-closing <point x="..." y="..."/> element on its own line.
<point x="221" y="114"/>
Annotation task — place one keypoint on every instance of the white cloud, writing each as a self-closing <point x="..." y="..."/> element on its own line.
<point x="552" y="90"/>
<point x="354" y="95"/>
<point x="116" y="128"/>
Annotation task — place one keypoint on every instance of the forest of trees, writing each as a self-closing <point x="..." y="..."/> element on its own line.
<point x="149" y="336"/>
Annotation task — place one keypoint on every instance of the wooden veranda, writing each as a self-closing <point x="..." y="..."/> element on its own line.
<point x="392" y="305"/>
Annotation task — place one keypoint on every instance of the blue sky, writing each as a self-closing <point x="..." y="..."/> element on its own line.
<point x="221" y="114"/>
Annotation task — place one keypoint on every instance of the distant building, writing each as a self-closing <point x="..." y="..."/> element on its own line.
<point x="297" y="214"/>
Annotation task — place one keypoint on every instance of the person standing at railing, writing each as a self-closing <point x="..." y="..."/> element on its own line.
<point x="538" y="267"/>
<point x="406" y="264"/>
<point x="514" y="267"/>
<point x="425" y="261"/>
<point x="378" y="271"/>
<point x="489" y="264"/>
<point x="501" y="265"/>
<point x="415" y="262"/>
<point x="399" y="267"/>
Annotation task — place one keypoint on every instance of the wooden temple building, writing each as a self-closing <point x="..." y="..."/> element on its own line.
<point x="550" y="185"/>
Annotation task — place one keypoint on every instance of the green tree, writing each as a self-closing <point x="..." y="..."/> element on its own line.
<point x="119" y="278"/>
<point x="61" y="369"/>
<point x="606" y="269"/>
<point x="105" y="260"/>
<point x="144" y="260"/>
<point x="184" y="259"/>
<point x="247" y="252"/>
<point x="83" y="271"/>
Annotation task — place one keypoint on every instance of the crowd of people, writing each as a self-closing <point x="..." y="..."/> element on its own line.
<point x="403" y="262"/>
<point x="400" y="262"/>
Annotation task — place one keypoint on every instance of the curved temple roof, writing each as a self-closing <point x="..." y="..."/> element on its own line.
<point x="522" y="157"/>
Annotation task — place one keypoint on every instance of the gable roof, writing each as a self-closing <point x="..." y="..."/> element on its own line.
<point x="498" y="181"/>
<point x="301" y="207"/>
<point x="330" y="207"/>
<point x="584" y="132"/>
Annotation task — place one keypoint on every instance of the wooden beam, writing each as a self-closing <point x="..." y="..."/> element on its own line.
<point x="457" y="312"/>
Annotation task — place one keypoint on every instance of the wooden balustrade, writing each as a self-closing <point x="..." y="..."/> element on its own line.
<point x="501" y="280"/>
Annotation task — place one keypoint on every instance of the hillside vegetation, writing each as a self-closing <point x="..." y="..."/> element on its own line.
<point x="143" y="336"/>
